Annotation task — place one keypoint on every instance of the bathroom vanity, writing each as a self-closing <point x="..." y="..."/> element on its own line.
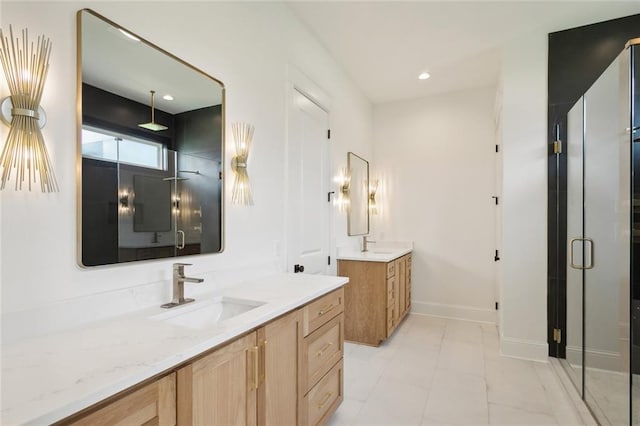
<point x="276" y="360"/>
<point x="378" y="295"/>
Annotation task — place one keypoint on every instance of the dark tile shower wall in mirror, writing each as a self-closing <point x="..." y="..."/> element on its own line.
<point x="190" y="134"/>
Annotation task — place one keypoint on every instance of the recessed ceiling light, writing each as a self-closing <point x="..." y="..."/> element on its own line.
<point x="167" y="97"/>
<point x="129" y="35"/>
<point x="424" y="76"/>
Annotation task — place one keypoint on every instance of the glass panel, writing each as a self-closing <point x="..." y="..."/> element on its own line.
<point x="606" y="227"/>
<point x="635" y="246"/>
<point x="142" y="190"/>
<point x="196" y="213"/>
<point x="574" y="149"/>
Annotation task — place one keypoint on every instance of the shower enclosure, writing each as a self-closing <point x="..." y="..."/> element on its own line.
<point x="603" y="243"/>
<point x="144" y="201"/>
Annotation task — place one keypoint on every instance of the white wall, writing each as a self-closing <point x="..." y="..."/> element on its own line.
<point x="248" y="46"/>
<point x="523" y="324"/>
<point x="436" y="160"/>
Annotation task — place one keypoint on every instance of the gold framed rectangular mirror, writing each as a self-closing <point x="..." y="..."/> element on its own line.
<point x="150" y="149"/>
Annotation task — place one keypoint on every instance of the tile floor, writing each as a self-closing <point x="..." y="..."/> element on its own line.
<point x="446" y="372"/>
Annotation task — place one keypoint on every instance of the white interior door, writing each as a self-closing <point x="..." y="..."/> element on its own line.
<point x="308" y="208"/>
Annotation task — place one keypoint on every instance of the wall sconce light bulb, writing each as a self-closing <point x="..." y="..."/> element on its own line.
<point x="243" y="136"/>
<point x="373" y="189"/>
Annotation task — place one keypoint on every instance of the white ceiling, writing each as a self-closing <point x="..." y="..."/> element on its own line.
<point x="384" y="45"/>
<point x="117" y="64"/>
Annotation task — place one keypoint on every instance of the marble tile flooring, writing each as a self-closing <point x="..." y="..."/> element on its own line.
<point x="608" y="394"/>
<point x="446" y="372"/>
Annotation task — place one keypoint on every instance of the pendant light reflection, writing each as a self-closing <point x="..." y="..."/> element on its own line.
<point x="25" y="67"/>
<point x="242" y="135"/>
<point x="152" y="125"/>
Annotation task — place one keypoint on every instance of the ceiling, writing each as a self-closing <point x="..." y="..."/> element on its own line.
<point x="384" y="45"/>
<point x="114" y="62"/>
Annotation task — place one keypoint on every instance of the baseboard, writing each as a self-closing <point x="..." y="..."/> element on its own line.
<point x="465" y="313"/>
<point x="524" y="349"/>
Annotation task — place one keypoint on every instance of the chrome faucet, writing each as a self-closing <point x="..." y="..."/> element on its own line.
<point x="178" y="285"/>
<point x="365" y="242"/>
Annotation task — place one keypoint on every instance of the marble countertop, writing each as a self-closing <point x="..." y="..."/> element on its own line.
<point x="46" y="379"/>
<point x="378" y="252"/>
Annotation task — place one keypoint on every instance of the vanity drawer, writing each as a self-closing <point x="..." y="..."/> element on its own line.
<point x="322" y="400"/>
<point x="154" y="403"/>
<point x="390" y="315"/>
<point x="391" y="269"/>
<point x="322" y="310"/>
<point x="321" y="350"/>
<point x="391" y="290"/>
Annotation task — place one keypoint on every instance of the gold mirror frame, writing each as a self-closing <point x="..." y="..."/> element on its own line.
<point x="79" y="127"/>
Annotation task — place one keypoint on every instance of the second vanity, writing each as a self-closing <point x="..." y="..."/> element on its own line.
<point x="279" y="362"/>
<point x="378" y="295"/>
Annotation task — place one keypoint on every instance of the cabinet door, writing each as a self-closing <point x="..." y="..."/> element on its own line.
<point x="365" y="300"/>
<point x="153" y="404"/>
<point x="402" y="285"/>
<point x="408" y="283"/>
<point x="279" y="343"/>
<point x="397" y="305"/>
<point x="220" y="388"/>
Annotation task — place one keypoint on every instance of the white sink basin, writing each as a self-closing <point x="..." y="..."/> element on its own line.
<point x="208" y="312"/>
<point x="381" y="251"/>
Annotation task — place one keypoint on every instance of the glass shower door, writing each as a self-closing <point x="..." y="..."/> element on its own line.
<point x="598" y="224"/>
<point x="635" y="230"/>
<point x="575" y="231"/>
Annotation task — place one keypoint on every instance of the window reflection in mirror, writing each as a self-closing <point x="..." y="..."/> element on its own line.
<point x="145" y="192"/>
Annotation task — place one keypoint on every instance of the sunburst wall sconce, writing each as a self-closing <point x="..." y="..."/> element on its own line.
<point x="242" y="135"/>
<point x="25" y="68"/>
<point x="373" y="189"/>
<point x="344" y="182"/>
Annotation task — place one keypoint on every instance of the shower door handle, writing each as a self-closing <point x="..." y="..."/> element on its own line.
<point x="180" y="242"/>
<point x="589" y="265"/>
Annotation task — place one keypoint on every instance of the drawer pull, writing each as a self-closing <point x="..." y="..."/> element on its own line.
<point x="324" y="400"/>
<point x="324" y="348"/>
<point x="326" y="309"/>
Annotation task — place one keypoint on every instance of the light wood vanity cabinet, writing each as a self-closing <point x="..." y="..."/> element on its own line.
<point x="278" y="392"/>
<point x="253" y="380"/>
<point x="151" y="404"/>
<point x="287" y="372"/>
<point x="221" y="387"/>
<point x="321" y="372"/>
<point x="377" y="298"/>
